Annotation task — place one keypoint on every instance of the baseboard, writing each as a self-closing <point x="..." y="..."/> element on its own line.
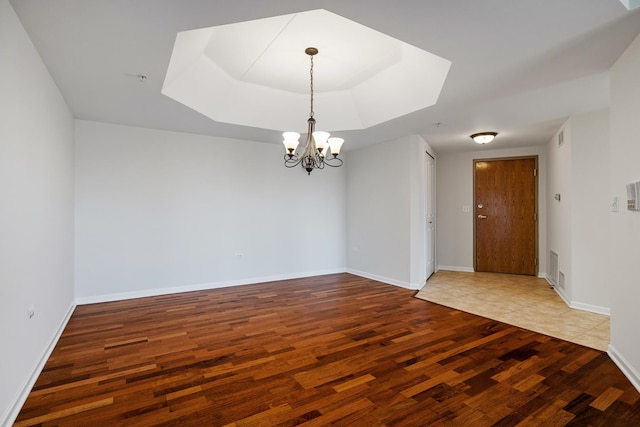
<point x="455" y="268"/>
<point x="632" y="375"/>
<point x="578" y="305"/>
<point x="471" y="270"/>
<point x="199" y="287"/>
<point x="387" y="280"/>
<point x="14" y="408"/>
<point x="559" y="292"/>
<point x="591" y="308"/>
<point x="549" y="281"/>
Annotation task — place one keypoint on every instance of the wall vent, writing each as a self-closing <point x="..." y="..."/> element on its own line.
<point x="553" y="268"/>
<point x="561" y="280"/>
<point x="561" y="138"/>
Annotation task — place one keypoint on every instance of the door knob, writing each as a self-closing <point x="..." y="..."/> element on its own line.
<point x="482" y="217"/>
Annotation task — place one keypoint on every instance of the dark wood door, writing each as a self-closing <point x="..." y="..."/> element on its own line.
<point x="505" y="216"/>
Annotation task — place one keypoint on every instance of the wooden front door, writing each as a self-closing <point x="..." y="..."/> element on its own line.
<point x="505" y="216"/>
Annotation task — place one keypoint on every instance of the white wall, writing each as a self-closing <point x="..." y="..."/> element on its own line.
<point x="454" y="188"/>
<point x="578" y="224"/>
<point x="160" y="212"/>
<point x="36" y="213"/>
<point x="385" y="212"/>
<point x="559" y="226"/>
<point x="624" y="272"/>
<point x="590" y="212"/>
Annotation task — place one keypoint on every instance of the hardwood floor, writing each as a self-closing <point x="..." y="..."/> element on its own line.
<point x="337" y="349"/>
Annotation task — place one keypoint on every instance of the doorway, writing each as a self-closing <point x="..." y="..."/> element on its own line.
<point x="430" y="210"/>
<point x="505" y="220"/>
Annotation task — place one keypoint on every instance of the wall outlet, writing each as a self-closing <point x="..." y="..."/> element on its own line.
<point x="614" y="204"/>
<point x="31" y="311"/>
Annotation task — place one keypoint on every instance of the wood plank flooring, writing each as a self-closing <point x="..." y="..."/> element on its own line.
<point x="328" y="350"/>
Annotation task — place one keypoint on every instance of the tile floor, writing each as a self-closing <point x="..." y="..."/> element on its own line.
<point x="524" y="301"/>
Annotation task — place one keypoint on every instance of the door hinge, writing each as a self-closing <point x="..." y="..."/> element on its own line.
<point x="535" y="216"/>
<point x="535" y="172"/>
<point x="535" y="262"/>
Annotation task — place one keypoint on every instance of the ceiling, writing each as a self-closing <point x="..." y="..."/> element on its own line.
<point x="262" y="79"/>
<point x="517" y="68"/>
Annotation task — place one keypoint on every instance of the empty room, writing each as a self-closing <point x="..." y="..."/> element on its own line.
<point x="362" y="213"/>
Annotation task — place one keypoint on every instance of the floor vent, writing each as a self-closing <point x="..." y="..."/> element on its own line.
<point x="553" y="268"/>
<point x="561" y="280"/>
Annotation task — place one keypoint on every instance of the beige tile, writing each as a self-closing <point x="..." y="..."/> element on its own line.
<point x="588" y="320"/>
<point x="602" y="330"/>
<point x="523" y="301"/>
<point x="591" y="341"/>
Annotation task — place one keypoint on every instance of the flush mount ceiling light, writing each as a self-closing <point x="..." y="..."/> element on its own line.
<point x="483" y="137"/>
<point x="318" y="142"/>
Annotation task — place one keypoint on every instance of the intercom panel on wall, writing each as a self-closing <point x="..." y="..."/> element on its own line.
<point x="633" y="192"/>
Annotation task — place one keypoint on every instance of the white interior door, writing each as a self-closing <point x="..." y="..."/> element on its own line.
<point x="430" y="213"/>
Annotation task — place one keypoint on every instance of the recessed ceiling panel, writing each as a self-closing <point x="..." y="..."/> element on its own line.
<point x="256" y="73"/>
<point x="631" y="4"/>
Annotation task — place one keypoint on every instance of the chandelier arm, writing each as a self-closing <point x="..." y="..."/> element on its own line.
<point x="291" y="162"/>
<point x="336" y="160"/>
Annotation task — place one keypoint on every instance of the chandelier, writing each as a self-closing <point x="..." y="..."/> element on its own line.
<point x="318" y="143"/>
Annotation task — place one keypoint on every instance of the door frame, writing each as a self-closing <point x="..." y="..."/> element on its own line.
<point x="536" y="190"/>
<point x="433" y="202"/>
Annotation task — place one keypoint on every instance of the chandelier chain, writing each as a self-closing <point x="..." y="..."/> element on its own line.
<point x="311" y="75"/>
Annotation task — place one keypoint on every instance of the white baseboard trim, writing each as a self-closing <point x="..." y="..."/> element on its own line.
<point x="16" y="404"/>
<point x="387" y="280"/>
<point x="559" y="292"/>
<point x="199" y="287"/>
<point x="455" y="268"/>
<point x="579" y="305"/>
<point x="591" y="308"/>
<point x="632" y="375"/>
<point x="471" y="270"/>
